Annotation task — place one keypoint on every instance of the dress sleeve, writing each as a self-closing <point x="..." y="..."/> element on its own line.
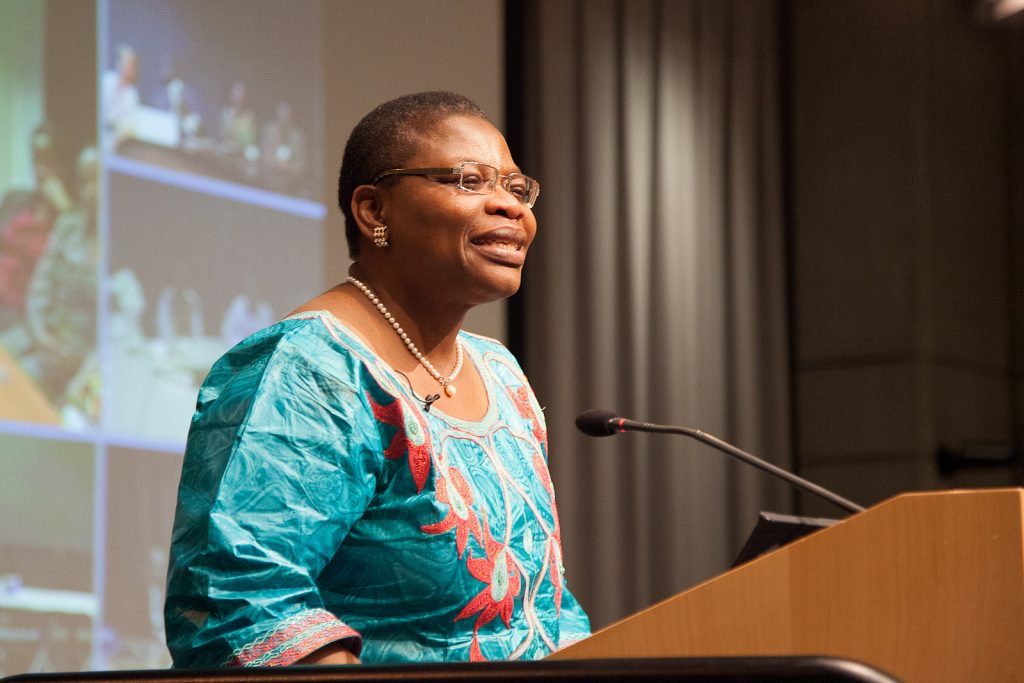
<point x="280" y="463"/>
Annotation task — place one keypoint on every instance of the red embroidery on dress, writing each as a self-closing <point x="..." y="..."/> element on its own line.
<point x="419" y="454"/>
<point x="475" y="655"/>
<point x="499" y="572"/>
<point x="541" y="468"/>
<point x="521" y="397"/>
<point x="293" y="639"/>
<point x="460" y="514"/>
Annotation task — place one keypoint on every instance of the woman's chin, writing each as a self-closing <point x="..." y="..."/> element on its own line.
<point x="497" y="286"/>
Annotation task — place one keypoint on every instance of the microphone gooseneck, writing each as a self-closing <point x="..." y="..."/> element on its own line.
<point x="598" y="422"/>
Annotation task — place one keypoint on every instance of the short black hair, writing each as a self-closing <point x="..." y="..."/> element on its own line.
<point x="387" y="138"/>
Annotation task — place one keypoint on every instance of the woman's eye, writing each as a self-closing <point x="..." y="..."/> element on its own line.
<point x="519" y="190"/>
<point x="472" y="182"/>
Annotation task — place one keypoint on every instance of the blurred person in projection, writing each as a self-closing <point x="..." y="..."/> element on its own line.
<point x="119" y="99"/>
<point x="61" y="300"/>
<point x="26" y="219"/>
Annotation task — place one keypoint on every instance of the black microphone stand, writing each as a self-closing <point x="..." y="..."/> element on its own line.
<point x="619" y="424"/>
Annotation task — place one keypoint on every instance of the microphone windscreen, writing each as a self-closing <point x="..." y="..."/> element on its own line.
<point x="594" y="422"/>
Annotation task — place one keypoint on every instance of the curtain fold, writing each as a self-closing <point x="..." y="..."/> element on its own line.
<point x="656" y="287"/>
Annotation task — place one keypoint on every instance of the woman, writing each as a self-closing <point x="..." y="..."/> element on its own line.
<point x="365" y="477"/>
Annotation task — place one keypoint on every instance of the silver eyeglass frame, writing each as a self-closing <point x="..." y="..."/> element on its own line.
<point x="504" y="180"/>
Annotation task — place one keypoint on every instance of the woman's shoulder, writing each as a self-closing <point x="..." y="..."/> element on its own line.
<point x="309" y="342"/>
<point x="306" y="355"/>
<point x="292" y="338"/>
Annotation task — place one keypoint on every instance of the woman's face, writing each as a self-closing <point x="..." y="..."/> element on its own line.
<point x="471" y="245"/>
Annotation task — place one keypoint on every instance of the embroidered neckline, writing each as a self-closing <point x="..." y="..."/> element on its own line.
<point x="378" y="367"/>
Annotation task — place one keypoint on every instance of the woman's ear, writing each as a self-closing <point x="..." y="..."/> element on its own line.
<point x="367" y="209"/>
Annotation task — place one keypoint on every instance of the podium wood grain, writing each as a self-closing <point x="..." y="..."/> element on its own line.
<point x="926" y="586"/>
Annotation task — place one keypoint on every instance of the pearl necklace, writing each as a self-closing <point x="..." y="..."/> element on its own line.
<point x="445" y="382"/>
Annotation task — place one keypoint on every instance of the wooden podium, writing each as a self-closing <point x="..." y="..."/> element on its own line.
<point x="925" y="586"/>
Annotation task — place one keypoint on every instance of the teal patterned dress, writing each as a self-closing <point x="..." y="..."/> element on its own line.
<point x="319" y="501"/>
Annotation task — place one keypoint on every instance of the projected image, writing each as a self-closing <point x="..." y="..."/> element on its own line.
<point x="190" y="276"/>
<point x="141" y="489"/>
<point x="46" y="602"/>
<point x="49" y="189"/>
<point x="159" y="201"/>
<point x="191" y="88"/>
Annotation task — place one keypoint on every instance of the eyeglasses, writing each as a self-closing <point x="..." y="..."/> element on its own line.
<point x="477" y="178"/>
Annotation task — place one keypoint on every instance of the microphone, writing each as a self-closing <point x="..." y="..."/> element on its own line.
<point x="599" y="422"/>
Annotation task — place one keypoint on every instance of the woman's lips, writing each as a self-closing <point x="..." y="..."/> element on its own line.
<point x="506" y="246"/>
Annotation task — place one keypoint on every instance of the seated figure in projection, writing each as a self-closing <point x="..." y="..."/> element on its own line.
<point x="339" y="499"/>
<point x="284" y="152"/>
<point x="61" y="299"/>
<point x="119" y="99"/>
<point x="238" y="123"/>
<point x="26" y="219"/>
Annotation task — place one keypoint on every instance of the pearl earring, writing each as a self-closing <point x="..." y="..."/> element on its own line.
<point x="380" y="236"/>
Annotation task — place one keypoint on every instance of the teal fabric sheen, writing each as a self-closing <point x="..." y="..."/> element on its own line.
<point x="320" y="502"/>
